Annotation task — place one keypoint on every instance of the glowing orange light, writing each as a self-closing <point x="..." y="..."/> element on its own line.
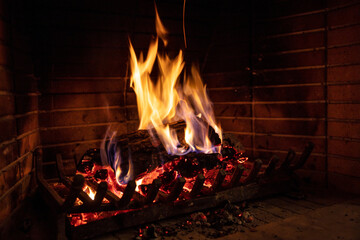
<point x="166" y="100"/>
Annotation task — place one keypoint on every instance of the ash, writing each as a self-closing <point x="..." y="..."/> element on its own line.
<point x="214" y="223"/>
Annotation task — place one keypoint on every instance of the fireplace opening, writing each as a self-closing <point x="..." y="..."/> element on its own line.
<point x="124" y="114"/>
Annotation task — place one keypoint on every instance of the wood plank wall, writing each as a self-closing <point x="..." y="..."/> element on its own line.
<point x="343" y="73"/>
<point x="18" y="107"/>
<point x="86" y="88"/>
<point x="289" y="98"/>
<point x="301" y="61"/>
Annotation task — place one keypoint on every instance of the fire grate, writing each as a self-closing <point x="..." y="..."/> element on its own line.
<point x="132" y="208"/>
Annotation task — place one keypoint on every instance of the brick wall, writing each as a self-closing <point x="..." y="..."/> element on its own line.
<point x="301" y="84"/>
<point x="19" y="106"/>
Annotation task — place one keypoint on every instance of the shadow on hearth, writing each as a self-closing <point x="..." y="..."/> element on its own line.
<point x="34" y="219"/>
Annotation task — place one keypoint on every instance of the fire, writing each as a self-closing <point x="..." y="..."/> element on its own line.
<point x="177" y="95"/>
<point x="89" y="192"/>
<point x="167" y="100"/>
<point x="111" y="157"/>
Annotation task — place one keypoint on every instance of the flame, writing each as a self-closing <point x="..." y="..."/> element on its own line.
<point x="160" y="29"/>
<point x="89" y="192"/>
<point x="167" y="100"/>
<point x="149" y="177"/>
<point x="111" y="156"/>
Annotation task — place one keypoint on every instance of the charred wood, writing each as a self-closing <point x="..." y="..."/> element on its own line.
<point x="147" y="152"/>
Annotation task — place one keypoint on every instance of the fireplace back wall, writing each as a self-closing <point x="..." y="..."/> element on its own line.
<point x="19" y="128"/>
<point x="86" y="81"/>
<point x="280" y="74"/>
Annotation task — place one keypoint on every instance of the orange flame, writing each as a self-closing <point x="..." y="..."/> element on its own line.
<point x="89" y="192"/>
<point x="160" y="29"/>
<point x="167" y="100"/>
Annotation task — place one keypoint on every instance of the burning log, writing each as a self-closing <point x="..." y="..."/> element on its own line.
<point x="144" y="135"/>
<point x="147" y="151"/>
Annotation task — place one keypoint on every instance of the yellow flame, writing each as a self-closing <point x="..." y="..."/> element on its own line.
<point x="129" y="175"/>
<point x="166" y="100"/>
<point x="89" y="192"/>
<point x="160" y="29"/>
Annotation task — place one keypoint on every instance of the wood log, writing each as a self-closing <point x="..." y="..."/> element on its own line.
<point x="141" y="135"/>
<point x="143" y="147"/>
<point x="146" y="151"/>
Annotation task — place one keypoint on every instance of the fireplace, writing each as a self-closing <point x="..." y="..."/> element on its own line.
<point x="280" y="74"/>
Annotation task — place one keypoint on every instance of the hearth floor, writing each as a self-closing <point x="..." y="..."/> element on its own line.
<point x="322" y="215"/>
